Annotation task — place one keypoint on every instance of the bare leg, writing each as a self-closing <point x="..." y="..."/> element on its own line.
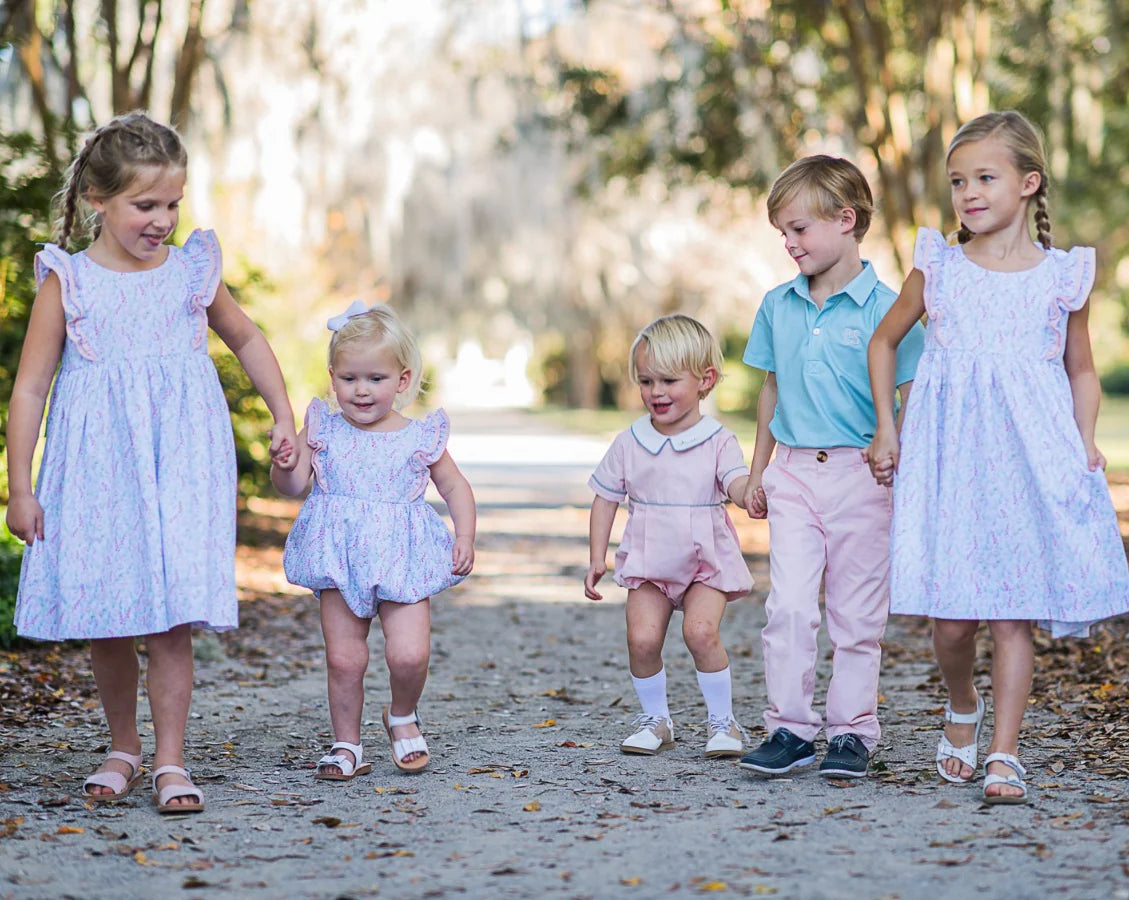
<point x="407" y="651"/>
<point x="954" y="645"/>
<point x="1013" y="662"/>
<point x="703" y="609"/>
<point x="346" y="659"/>
<point x="116" y="669"/>
<point x="648" y="615"/>
<point x="169" y="680"/>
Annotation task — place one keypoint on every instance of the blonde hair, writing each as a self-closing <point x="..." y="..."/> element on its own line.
<point x="675" y="344"/>
<point x="381" y="327"/>
<point x="1026" y="148"/>
<point x="108" y="163"/>
<point x="825" y="184"/>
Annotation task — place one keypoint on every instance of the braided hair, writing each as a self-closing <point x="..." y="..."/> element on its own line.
<point x="1026" y="147"/>
<point x="107" y="164"/>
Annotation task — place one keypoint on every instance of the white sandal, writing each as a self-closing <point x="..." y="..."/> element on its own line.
<point x="402" y="747"/>
<point x="162" y="796"/>
<point x="119" y="785"/>
<point x="1015" y="781"/>
<point x="967" y="753"/>
<point x="350" y="768"/>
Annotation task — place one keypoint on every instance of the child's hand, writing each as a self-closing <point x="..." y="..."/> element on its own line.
<point x="25" y="518"/>
<point x="596" y="571"/>
<point x="755" y="501"/>
<point x="883" y="471"/>
<point x="1095" y="459"/>
<point x="462" y="556"/>
<point x="882" y="457"/>
<point x="283" y="441"/>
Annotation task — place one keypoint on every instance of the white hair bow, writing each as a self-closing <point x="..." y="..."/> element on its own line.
<point x="356" y="308"/>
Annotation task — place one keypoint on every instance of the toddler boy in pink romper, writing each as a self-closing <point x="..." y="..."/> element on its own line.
<point x="828" y="520"/>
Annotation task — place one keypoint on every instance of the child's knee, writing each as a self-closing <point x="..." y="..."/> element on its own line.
<point x="955" y="631"/>
<point x="643" y="643"/>
<point x="701" y="635"/>
<point x="408" y="658"/>
<point x="350" y="660"/>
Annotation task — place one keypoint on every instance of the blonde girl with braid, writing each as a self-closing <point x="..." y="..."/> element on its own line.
<point x="1001" y="508"/>
<point x="130" y="525"/>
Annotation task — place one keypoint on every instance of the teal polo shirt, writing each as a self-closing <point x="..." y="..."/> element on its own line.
<point x="819" y="357"/>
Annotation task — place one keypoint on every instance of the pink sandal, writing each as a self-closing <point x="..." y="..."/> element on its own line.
<point x="162" y="796"/>
<point x="119" y="785"/>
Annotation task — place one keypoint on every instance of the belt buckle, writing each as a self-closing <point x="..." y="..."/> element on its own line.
<point x="821" y="456"/>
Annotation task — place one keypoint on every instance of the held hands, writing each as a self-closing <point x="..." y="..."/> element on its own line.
<point x="755" y="501"/>
<point x="597" y="569"/>
<point x="283" y="446"/>
<point x="462" y="556"/>
<point x="882" y="456"/>
<point x="25" y="518"/>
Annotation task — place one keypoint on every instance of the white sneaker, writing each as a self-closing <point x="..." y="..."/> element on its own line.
<point x="726" y="737"/>
<point x="653" y="735"/>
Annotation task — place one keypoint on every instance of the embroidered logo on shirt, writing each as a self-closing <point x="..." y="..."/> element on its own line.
<point x="852" y="337"/>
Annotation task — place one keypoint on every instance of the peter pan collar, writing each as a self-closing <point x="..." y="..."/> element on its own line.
<point x="652" y="440"/>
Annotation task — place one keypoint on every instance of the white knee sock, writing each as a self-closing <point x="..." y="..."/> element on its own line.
<point x="652" y="694"/>
<point x="717" y="688"/>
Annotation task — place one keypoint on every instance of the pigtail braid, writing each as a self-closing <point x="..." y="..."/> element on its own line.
<point x="69" y="195"/>
<point x="74" y="188"/>
<point x="1042" y="217"/>
<point x="963" y="234"/>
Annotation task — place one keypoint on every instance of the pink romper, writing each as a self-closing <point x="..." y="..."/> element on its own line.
<point x="678" y="532"/>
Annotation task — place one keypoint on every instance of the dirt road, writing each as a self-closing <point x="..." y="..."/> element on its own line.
<point x="528" y="795"/>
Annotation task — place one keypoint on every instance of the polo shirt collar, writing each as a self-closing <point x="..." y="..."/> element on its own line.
<point x="858" y="288"/>
<point x="652" y="440"/>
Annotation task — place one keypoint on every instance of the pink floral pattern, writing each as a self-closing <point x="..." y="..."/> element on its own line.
<point x="366" y="529"/>
<point x="996" y="513"/>
<point x="137" y="481"/>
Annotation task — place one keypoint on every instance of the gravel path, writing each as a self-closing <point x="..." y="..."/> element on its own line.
<point x="528" y="794"/>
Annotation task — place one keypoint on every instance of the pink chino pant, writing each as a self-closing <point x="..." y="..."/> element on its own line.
<point x="828" y="519"/>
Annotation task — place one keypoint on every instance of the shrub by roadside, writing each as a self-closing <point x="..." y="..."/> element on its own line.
<point x="11" y="552"/>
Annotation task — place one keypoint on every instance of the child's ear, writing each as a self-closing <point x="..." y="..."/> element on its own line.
<point x="707" y="381"/>
<point x="405" y="380"/>
<point x="847" y="219"/>
<point x="1031" y="183"/>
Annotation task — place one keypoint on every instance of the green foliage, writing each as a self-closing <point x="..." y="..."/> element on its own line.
<point x="27" y="183"/>
<point x="1116" y="380"/>
<point x="11" y="553"/>
<point x="250" y="420"/>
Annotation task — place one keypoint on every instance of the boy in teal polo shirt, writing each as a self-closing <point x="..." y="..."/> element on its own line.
<point x="828" y="519"/>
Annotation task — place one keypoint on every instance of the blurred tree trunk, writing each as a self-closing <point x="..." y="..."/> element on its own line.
<point x="33" y="49"/>
<point x="130" y="44"/>
<point x="187" y="64"/>
<point x="582" y="359"/>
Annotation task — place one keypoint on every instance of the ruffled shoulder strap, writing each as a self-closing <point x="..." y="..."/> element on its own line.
<point x="204" y="261"/>
<point x="431" y="442"/>
<point x="315" y="436"/>
<point x="53" y="258"/>
<point x="1074" y="275"/>
<point x="929" y="251"/>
